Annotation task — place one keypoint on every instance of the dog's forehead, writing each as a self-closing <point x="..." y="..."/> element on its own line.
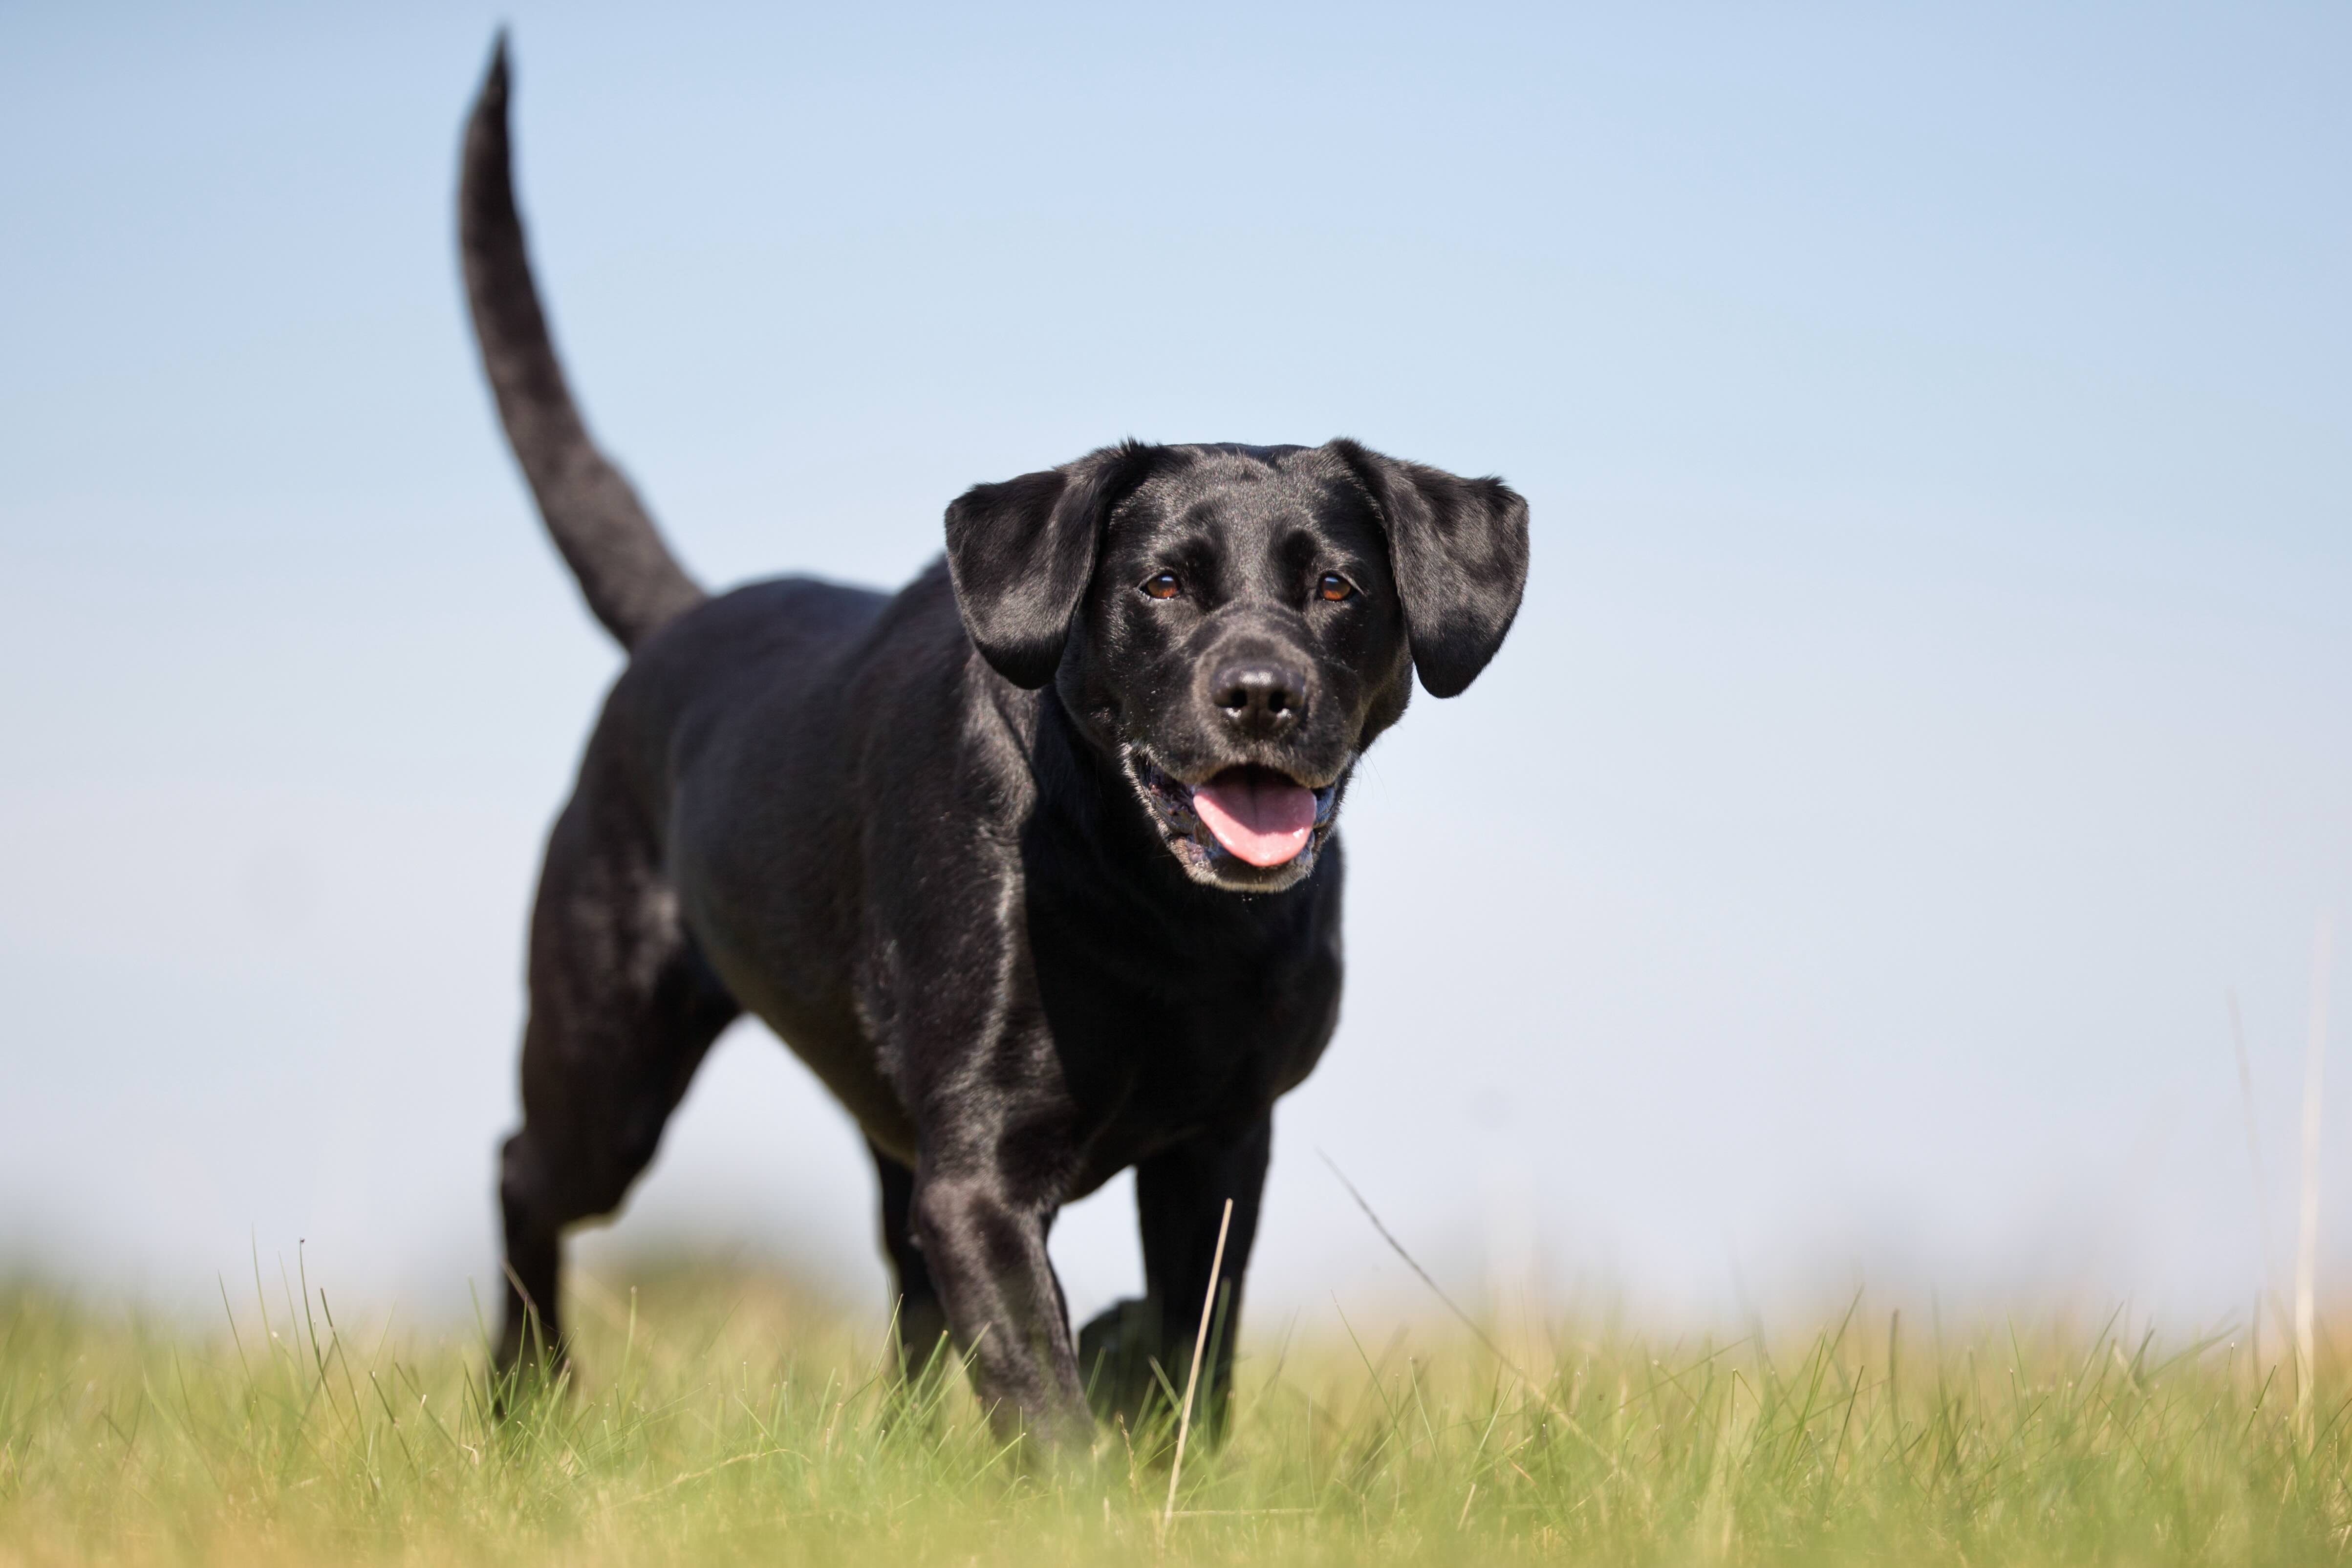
<point x="1236" y="485"/>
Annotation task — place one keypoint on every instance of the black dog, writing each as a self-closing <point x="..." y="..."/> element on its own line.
<point x="1031" y="862"/>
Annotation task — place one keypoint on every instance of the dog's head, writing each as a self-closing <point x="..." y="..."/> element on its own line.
<point x="1234" y="625"/>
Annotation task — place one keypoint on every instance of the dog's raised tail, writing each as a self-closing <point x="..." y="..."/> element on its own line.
<point x="631" y="580"/>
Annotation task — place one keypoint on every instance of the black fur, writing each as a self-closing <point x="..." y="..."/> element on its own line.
<point x="942" y="842"/>
<point x="632" y="582"/>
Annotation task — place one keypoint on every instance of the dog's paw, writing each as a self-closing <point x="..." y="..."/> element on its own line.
<point x="1119" y="1352"/>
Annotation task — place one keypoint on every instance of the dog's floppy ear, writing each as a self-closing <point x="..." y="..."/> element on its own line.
<point x="1021" y="552"/>
<point x="1459" y="548"/>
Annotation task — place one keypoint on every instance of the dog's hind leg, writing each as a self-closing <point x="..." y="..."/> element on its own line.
<point x="623" y="1011"/>
<point x="922" y="1321"/>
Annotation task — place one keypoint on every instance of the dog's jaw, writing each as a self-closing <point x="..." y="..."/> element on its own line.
<point x="1168" y="801"/>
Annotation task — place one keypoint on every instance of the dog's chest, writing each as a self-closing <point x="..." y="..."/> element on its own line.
<point x="1164" y="1032"/>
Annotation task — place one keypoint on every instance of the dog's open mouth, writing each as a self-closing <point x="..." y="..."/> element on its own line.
<point x="1256" y="813"/>
<point x="1258" y="816"/>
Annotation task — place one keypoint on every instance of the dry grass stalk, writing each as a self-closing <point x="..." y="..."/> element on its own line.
<point x="2267" y="1295"/>
<point x="1193" y="1378"/>
<point x="2307" y="1259"/>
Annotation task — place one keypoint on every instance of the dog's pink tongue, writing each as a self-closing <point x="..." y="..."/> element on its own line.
<point x="1262" y="818"/>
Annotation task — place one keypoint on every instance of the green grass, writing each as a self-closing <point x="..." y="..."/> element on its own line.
<point x="718" y="1417"/>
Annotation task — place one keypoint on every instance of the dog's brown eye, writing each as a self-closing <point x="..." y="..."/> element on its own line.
<point x="1334" y="588"/>
<point x="1164" y="586"/>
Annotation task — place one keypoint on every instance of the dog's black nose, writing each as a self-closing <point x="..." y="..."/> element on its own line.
<point x="1261" y="700"/>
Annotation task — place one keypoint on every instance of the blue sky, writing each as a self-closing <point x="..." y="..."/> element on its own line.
<point x="1934" y="694"/>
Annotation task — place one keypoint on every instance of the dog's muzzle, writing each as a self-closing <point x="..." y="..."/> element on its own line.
<point x="1198" y="830"/>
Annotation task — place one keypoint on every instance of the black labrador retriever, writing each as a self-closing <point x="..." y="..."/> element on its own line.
<point x="1031" y="862"/>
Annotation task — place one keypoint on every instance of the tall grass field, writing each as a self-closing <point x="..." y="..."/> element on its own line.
<point x="718" y="1417"/>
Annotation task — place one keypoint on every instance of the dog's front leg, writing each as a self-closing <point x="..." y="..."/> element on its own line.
<point x="1135" y="1348"/>
<point x="985" y="1246"/>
